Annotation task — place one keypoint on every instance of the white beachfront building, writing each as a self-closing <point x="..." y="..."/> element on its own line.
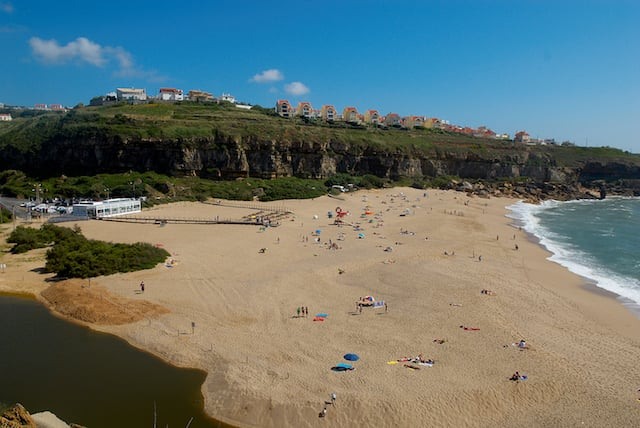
<point x="107" y="208"/>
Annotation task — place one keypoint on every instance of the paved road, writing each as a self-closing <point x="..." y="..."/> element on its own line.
<point x="12" y="203"/>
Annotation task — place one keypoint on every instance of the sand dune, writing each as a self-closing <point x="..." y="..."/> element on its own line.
<point x="268" y="367"/>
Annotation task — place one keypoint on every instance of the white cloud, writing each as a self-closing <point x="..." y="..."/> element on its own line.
<point x="6" y="7"/>
<point x="271" y="75"/>
<point x="85" y="50"/>
<point x="296" y="88"/>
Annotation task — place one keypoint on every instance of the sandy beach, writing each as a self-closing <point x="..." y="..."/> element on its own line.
<point x="232" y="311"/>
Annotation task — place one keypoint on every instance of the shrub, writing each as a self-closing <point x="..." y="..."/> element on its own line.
<point x="73" y="256"/>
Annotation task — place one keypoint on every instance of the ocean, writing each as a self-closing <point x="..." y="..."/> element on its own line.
<point x="596" y="239"/>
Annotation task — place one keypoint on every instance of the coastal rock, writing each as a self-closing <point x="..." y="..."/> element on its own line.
<point x="219" y="156"/>
<point x="16" y="417"/>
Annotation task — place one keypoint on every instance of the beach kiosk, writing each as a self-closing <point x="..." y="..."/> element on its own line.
<point x="106" y="208"/>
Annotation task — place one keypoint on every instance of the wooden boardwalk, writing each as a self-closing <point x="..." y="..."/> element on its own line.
<point x="176" y="220"/>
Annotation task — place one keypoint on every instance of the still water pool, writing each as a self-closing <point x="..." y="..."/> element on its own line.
<point x="90" y="378"/>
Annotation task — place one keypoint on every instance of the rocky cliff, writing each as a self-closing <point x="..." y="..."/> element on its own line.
<point x="93" y="149"/>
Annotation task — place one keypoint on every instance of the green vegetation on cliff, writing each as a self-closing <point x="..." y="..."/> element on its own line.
<point x="166" y="149"/>
<point x="71" y="255"/>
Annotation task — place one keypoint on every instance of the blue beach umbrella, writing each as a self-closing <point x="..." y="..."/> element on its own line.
<point x="351" y="357"/>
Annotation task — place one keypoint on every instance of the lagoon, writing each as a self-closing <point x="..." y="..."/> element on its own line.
<point x="90" y="378"/>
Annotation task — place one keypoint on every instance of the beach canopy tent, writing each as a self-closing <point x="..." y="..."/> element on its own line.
<point x="351" y="357"/>
<point x="322" y="315"/>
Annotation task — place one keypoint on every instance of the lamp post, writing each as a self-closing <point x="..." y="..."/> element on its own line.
<point x="37" y="188"/>
<point x="106" y="189"/>
<point x="133" y="188"/>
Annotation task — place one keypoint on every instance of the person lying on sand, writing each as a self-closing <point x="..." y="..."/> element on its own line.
<point x="439" y="341"/>
<point x="488" y="292"/>
<point x="469" y="328"/>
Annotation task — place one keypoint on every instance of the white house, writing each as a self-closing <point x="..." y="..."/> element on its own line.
<point x="131" y="94"/>
<point x="5" y="117"/>
<point x="228" y="97"/>
<point x="170" y="94"/>
<point x="107" y="208"/>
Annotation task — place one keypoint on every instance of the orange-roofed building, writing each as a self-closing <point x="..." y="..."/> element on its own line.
<point x="350" y="114"/>
<point x="393" y="119"/>
<point x="328" y="113"/>
<point x="413" y="122"/>
<point x="283" y="108"/>
<point x="304" y="109"/>
<point x="522" y="137"/>
<point x="372" y="117"/>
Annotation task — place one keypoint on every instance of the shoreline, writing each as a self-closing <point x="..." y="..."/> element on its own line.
<point x="588" y="284"/>
<point x="283" y="381"/>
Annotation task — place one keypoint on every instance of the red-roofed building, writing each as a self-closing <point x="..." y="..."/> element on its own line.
<point x="372" y="117"/>
<point x="284" y="109"/>
<point x="521" y="137"/>
<point x="170" y="94"/>
<point x="304" y="109"/>
<point x="328" y="113"/>
<point x="393" y="119"/>
<point x="413" y="122"/>
<point x="350" y="115"/>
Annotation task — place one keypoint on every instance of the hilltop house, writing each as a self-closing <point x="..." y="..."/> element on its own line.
<point x="170" y="94"/>
<point x="328" y="113"/>
<point x="393" y="119"/>
<point x="305" y="110"/>
<point x="228" y="98"/>
<point x="413" y="122"/>
<point x="199" y="96"/>
<point x="284" y="109"/>
<point x="521" y="137"/>
<point x="131" y="94"/>
<point x="5" y="117"/>
<point x="372" y="117"/>
<point x="350" y="115"/>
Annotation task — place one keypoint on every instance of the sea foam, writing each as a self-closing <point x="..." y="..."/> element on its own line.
<point x="577" y="260"/>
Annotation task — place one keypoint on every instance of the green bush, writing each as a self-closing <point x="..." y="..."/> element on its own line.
<point x="73" y="256"/>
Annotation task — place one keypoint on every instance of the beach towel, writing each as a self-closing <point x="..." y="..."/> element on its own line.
<point x="395" y="362"/>
<point x="322" y="315"/>
<point x="471" y="328"/>
<point x="318" y="319"/>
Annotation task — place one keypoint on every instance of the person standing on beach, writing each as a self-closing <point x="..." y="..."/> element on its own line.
<point x="298" y="312"/>
<point x="142" y="286"/>
<point x="333" y="398"/>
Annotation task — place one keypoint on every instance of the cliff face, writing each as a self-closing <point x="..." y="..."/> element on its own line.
<point x="226" y="157"/>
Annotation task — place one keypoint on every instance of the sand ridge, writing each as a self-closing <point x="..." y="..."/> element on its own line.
<point x="233" y="314"/>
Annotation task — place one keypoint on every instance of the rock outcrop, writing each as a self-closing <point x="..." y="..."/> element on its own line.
<point x="220" y="156"/>
<point x="16" y="417"/>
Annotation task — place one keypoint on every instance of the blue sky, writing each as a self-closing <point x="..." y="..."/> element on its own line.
<point x="568" y="70"/>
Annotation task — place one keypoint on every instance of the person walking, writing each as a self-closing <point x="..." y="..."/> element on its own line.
<point x="333" y="398"/>
<point x="298" y="312"/>
<point x="142" y="286"/>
